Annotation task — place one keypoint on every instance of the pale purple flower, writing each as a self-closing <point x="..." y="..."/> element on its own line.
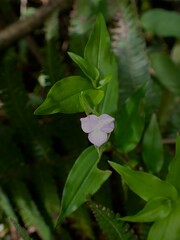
<point x="97" y="128"/>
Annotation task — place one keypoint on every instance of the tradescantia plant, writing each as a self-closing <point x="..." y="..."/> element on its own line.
<point x="89" y="94"/>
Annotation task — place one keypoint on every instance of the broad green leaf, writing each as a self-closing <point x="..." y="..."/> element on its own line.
<point x="110" y="101"/>
<point x="88" y="69"/>
<point x="167" y="228"/>
<point x="130" y="122"/>
<point x="146" y="185"/>
<point x="174" y="167"/>
<point x="64" y="96"/>
<point x="167" y="72"/>
<point x="98" y="53"/>
<point x="162" y="22"/>
<point x="83" y="180"/>
<point x="97" y="50"/>
<point x="152" y="147"/>
<point x="155" y="209"/>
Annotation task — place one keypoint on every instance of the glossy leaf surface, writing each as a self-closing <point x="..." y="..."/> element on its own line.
<point x="155" y="209"/>
<point x="152" y="146"/>
<point x="130" y="122"/>
<point x="83" y="181"/>
<point x="64" y="95"/>
<point x="146" y="185"/>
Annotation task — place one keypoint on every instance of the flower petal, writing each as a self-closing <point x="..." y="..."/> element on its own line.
<point x="89" y="123"/>
<point x="106" y="123"/>
<point x="97" y="138"/>
<point x="105" y="118"/>
<point x="108" y="128"/>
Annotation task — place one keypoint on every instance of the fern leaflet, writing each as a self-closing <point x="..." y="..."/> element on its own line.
<point x="28" y="210"/>
<point x="20" y="230"/>
<point x="110" y="224"/>
<point x="129" y="47"/>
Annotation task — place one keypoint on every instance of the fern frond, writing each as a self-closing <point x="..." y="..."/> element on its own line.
<point x="6" y="205"/>
<point x="53" y="66"/>
<point x="28" y="210"/>
<point x="22" y="232"/>
<point x="15" y="103"/>
<point x="129" y="47"/>
<point x="47" y="192"/>
<point x="110" y="224"/>
<point x="11" y="162"/>
<point x="82" y="18"/>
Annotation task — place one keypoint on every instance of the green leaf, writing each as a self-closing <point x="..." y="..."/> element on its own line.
<point x="166" y="71"/>
<point x="98" y="53"/>
<point x="155" y="209"/>
<point x="6" y="206"/>
<point x="88" y="69"/>
<point x="130" y="49"/>
<point x="22" y="232"/>
<point x="29" y="211"/>
<point x="83" y="180"/>
<point x="130" y="122"/>
<point x="167" y="228"/>
<point x="152" y="146"/>
<point x="95" y="96"/>
<point x="145" y="185"/>
<point x="86" y="102"/>
<point x="174" y="167"/>
<point x="64" y="96"/>
<point x="97" y="50"/>
<point x="110" y="101"/>
<point x="110" y="223"/>
<point x="162" y="22"/>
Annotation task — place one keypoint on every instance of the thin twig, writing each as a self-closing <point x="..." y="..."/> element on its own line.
<point x="25" y="26"/>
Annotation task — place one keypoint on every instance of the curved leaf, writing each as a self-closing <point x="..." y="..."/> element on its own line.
<point x="168" y="227"/>
<point x="64" y="96"/>
<point x="83" y="180"/>
<point x="146" y="185"/>
<point x="88" y="69"/>
<point x="155" y="209"/>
